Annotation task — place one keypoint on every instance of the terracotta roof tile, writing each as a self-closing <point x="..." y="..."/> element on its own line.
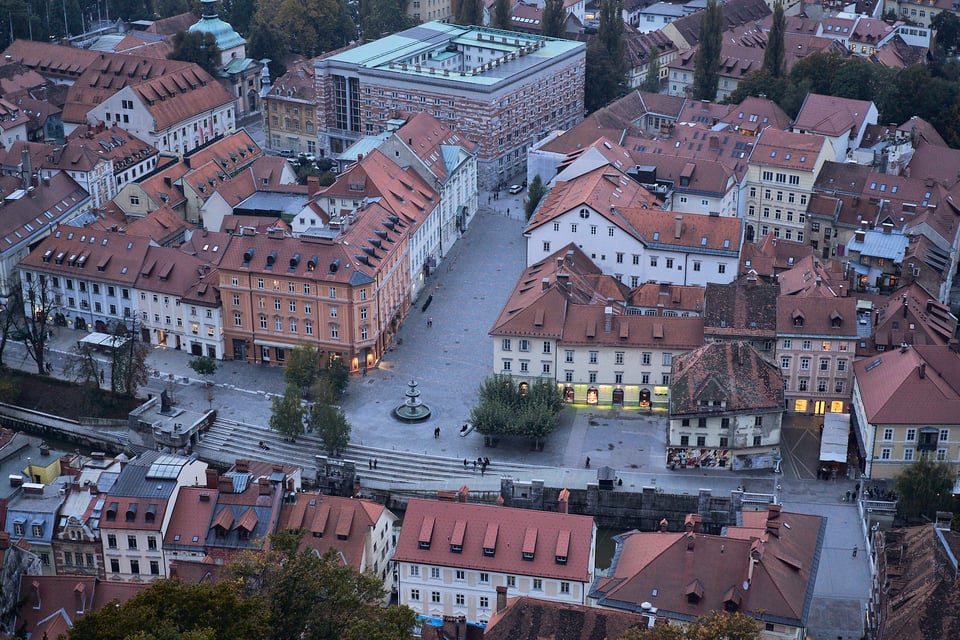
<point x="514" y="526"/>
<point x="732" y="371"/>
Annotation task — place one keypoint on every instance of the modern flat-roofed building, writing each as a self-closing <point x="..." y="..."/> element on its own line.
<point x="500" y="89"/>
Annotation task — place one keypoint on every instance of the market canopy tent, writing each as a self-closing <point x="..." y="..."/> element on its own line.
<point x="103" y="340"/>
<point x="833" y="442"/>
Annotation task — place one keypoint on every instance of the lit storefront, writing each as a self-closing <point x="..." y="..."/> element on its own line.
<point x="651" y="398"/>
<point x="817" y="407"/>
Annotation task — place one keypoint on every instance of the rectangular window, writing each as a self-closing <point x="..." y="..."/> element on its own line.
<point x="461" y="574"/>
<point x="435" y="597"/>
<point x="131" y="542"/>
<point x="911" y="435"/>
<point x="885" y="453"/>
<point x="538" y="584"/>
<point x="135" y="567"/>
<point x="944" y="435"/>
<point x="461" y="600"/>
<point x="568" y="355"/>
<point x="484" y="602"/>
<point x="114" y="565"/>
<point x="908" y="454"/>
<point x="524" y="345"/>
<point x="888" y="434"/>
<point x="484" y="577"/>
<point x="512" y="582"/>
<point x="434" y="573"/>
<point x="546" y="347"/>
<point x="618" y="357"/>
<point x="505" y="344"/>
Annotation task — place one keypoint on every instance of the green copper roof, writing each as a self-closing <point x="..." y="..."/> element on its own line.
<point x="224" y="34"/>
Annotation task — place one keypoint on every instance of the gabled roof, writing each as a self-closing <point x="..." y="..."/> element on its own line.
<point x="674" y="297"/>
<point x="830" y="115"/>
<point x="180" y="95"/>
<point x="427" y="137"/>
<point x="526" y="617"/>
<point x="25" y="216"/>
<point x="754" y="114"/>
<point x="894" y="385"/>
<point x="601" y="190"/>
<point x="746" y="306"/>
<point x="809" y="276"/>
<point x="735" y="13"/>
<point x="52" y="604"/>
<point x="107" y="256"/>
<point x="499" y="539"/>
<point x="317" y="516"/>
<point x="732" y="372"/>
<point x="814" y="316"/>
<point x="789" y="150"/>
<point x="231" y="153"/>
<point x="910" y="315"/>
<point x="780" y="583"/>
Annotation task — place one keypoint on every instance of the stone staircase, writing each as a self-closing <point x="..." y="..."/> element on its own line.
<point x="228" y="440"/>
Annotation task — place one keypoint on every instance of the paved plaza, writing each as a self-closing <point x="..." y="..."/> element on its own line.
<point x="450" y="359"/>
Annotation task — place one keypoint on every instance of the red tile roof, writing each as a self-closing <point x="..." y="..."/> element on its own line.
<point x="111" y="257"/>
<point x="180" y="95"/>
<point x="789" y="150"/>
<point x="61" y="596"/>
<point x="917" y="385"/>
<point x="812" y="315"/>
<point x="532" y="618"/>
<point x="672" y="565"/>
<point x="425" y="136"/>
<point x="830" y="115"/>
<point x="600" y="189"/>
<point x="190" y="519"/>
<point x="320" y="517"/>
<point x="513" y="529"/>
<point x="731" y="371"/>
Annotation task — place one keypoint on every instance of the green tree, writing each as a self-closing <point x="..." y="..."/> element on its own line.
<point x="774" y="54"/>
<point x="331" y="425"/>
<point x="924" y="488"/>
<point x="172" y="609"/>
<point x="501" y="14"/>
<point x="311" y="27"/>
<point x="947" y="26"/>
<point x="706" y="73"/>
<point x="337" y="374"/>
<point x="468" y="12"/>
<point x="266" y="41"/>
<point x="382" y="17"/>
<point x="198" y="47"/>
<point x="8" y="316"/>
<point x="239" y="13"/>
<point x="535" y="193"/>
<point x="758" y="83"/>
<point x="309" y="597"/>
<point x="203" y="366"/>
<point x="286" y="413"/>
<point x="606" y="63"/>
<point x="856" y="78"/>
<point x="652" y="82"/>
<point x="301" y="367"/>
<point x="508" y="408"/>
<point x="553" y="19"/>
<point x="815" y="72"/>
<point x="718" y="625"/>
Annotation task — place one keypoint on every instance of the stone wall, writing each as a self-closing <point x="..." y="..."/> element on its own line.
<point x="625" y="510"/>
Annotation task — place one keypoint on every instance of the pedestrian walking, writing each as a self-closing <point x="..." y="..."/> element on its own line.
<point x="370" y="463"/>
<point x="474" y="466"/>
<point x="508" y="211"/>
<point x="587" y="465"/>
<point x="483" y="469"/>
<point x="464" y="463"/>
<point x="430" y="321"/>
<point x="848" y="495"/>
<point x="375" y="463"/>
<point x="436" y="432"/>
<point x="854" y="551"/>
<point x="486" y="461"/>
<point x="102" y="376"/>
<point x="364" y="371"/>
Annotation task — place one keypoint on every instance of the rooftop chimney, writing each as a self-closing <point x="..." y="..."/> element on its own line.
<point x="79" y="599"/>
<point x="26" y="168"/>
<point x="607" y="319"/>
<point x="663" y="525"/>
<point x="264" y="486"/>
<point x="501" y="598"/>
<point x="313" y="185"/>
<point x="923" y="370"/>
<point x="211" y="479"/>
<point x="544" y="284"/>
<point x="887" y="227"/>
<point x="563" y="503"/>
<point x="677" y="227"/>
<point x="691" y="540"/>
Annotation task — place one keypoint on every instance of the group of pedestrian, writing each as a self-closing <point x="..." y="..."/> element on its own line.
<point x="429" y="322"/>
<point x="373" y="463"/>
<point x="481" y="462"/>
<point x="436" y="432"/>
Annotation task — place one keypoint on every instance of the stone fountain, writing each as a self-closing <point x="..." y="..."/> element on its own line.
<point x="412" y="409"/>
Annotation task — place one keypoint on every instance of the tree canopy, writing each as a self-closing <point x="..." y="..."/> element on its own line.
<point x="652" y="82"/>
<point x="606" y="61"/>
<point x="924" y="488"/>
<point x="501" y="14"/>
<point x="286" y="413"/>
<point x="774" y="54"/>
<point x="508" y="408"/>
<point x="277" y="594"/>
<point x="535" y="193"/>
<point x="331" y="425"/>
<point x="468" y="12"/>
<point x="553" y="19"/>
<point x="382" y="17"/>
<point x="310" y="27"/>
<point x="718" y="625"/>
<point x="198" y="47"/>
<point x="706" y="74"/>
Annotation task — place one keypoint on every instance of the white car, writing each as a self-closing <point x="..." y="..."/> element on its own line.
<point x="515" y="189"/>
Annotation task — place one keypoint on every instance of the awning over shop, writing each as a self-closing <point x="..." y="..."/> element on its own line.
<point x="833" y="442"/>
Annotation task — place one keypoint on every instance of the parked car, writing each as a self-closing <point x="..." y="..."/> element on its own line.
<point x="307" y="157"/>
<point x="286" y="153"/>
<point x="516" y="188"/>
